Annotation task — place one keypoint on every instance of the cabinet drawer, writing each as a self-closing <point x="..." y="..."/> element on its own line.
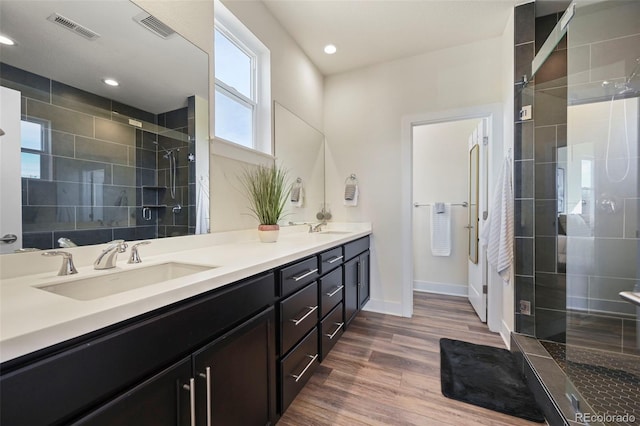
<point x="331" y="259"/>
<point x="332" y="328"/>
<point x="356" y="247"/>
<point x="297" y="367"/>
<point x="298" y="275"/>
<point x="298" y="314"/>
<point x="331" y="289"/>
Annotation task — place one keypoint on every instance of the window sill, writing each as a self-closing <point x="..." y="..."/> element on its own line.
<point x="237" y="152"/>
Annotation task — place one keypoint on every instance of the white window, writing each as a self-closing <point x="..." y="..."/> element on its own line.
<point x="34" y="142"/>
<point x="242" y="80"/>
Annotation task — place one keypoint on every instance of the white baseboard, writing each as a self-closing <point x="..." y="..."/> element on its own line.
<point x="441" y="288"/>
<point x="505" y="333"/>
<point x="383" y="307"/>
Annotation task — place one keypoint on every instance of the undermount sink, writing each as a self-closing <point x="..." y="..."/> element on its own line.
<point x="118" y="282"/>
<point x="334" y="232"/>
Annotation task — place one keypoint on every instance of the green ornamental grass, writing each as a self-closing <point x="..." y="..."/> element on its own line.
<point x="267" y="190"/>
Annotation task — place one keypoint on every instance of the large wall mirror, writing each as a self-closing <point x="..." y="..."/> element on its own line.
<point x="299" y="148"/>
<point x="102" y="162"/>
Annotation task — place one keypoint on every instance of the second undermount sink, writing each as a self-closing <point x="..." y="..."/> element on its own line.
<point x="121" y="281"/>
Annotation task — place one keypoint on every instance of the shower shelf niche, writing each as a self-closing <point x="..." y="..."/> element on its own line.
<point x="153" y="203"/>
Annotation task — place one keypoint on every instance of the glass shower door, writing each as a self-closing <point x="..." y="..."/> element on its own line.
<point x="599" y="211"/>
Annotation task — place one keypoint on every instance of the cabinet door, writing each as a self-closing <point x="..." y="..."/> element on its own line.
<point x="235" y="375"/>
<point x="351" y="278"/>
<point x="164" y="399"/>
<point x="364" y="284"/>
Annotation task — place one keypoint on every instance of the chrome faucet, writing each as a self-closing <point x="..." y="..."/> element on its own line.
<point x="67" y="267"/>
<point x="315" y="228"/>
<point x="135" y="256"/>
<point x="107" y="259"/>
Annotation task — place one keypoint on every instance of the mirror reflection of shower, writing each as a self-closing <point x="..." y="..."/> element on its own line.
<point x="170" y="155"/>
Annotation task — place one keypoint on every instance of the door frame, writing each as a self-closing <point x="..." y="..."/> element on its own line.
<point x="495" y="151"/>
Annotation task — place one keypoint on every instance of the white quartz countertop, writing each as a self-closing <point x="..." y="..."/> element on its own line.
<point x="33" y="319"/>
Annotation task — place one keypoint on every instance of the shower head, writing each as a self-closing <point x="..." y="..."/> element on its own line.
<point x="167" y="152"/>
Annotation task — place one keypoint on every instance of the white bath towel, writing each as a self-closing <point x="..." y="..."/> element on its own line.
<point x="202" y="207"/>
<point x="497" y="234"/>
<point x="297" y="196"/>
<point x="441" y="231"/>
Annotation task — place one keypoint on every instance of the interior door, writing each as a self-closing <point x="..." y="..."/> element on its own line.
<point x="10" y="192"/>
<point x="477" y="203"/>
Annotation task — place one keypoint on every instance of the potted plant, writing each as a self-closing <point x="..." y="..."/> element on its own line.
<point x="267" y="190"/>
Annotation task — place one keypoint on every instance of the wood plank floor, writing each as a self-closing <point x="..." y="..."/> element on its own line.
<point x="385" y="370"/>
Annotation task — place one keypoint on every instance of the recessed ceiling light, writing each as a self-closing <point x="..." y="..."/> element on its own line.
<point x="6" y="40"/>
<point x="330" y="49"/>
<point x="110" y="82"/>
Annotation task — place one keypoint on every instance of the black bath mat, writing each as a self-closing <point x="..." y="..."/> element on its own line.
<point x="487" y="377"/>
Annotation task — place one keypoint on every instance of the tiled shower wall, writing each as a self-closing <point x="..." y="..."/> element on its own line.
<point x="538" y="282"/>
<point x="540" y="278"/>
<point x="94" y="165"/>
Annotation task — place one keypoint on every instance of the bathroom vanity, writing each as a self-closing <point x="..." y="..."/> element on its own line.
<point x="237" y="353"/>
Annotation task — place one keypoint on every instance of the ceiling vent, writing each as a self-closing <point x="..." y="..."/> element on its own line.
<point x="154" y="25"/>
<point x="67" y="23"/>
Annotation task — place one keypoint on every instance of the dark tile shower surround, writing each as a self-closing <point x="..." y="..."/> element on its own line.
<point x="94" y="166"/>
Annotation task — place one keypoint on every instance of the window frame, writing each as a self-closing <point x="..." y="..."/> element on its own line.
<point x="261" y="105"/>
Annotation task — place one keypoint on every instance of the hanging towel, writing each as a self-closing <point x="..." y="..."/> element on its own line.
<point x="351" y="193"/>
<point x="497" y="234"/>
<point x="441" y="231"/>
<point x="439" y="208"/>
<point x="297" y="196"/>
<point x="202" y="207"/>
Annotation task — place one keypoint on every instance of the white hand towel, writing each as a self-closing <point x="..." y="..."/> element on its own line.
<point x="351" y="193"/>
<point x="497" y="234"/>
<point x="441" y="231"/>
<point x="297" y="196"/>
<point x="202" y="207"/>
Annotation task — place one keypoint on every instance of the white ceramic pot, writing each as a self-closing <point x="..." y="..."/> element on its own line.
<point x="268" y="233"/>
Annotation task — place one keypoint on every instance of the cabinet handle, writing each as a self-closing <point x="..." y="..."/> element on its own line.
<point x="311" y="310"/>
<point x="192" y="400"/>
<point x="305" y="275"/>
<point x="207" y="376"/>
<point x="333" y="293"/>
<point x="358" y="273"/>
<point x="332" y="335"/>
<point x="299" y="376"/>
<point x="334" y="259"/>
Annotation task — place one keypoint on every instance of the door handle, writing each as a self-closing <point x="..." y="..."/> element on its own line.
<point x="305" y="275"/>
<point x="469" y="227"/>
<point x="207" y="376"/>
<point x="9" y="238"/>
<point x="312" y="309"/>
<point x="191" y="387"/>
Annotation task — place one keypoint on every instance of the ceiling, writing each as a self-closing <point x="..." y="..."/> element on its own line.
<point x="373" y="31"/>
<point x="150" y="69"/>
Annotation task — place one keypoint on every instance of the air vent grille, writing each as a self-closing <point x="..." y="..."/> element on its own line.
<point x="154" y="25"/>
<point x="67" y="23"/>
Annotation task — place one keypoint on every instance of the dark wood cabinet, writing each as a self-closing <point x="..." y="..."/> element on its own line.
<point x="236" y="355"/>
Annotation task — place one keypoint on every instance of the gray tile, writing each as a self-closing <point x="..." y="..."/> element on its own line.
<point x="39" y="219"/>
<point x="100" y="150"/>
<point x="632" y="218"/>
<point x="608" y="288"/>
<point x="523" y="56"/>
<point x="124" y="175"/>
<point x="546" y="218"/>
<point x="115" y="132"/>
<point x="524" y="256"/>
<point x="545" y="144"/>
<point x="545" y="181"/>
<point x="62" y="144"/>
<point x="40" y="240"/>
<point x="578" y="63"/>
<point x="550" y="106"/>
<point x="97" y="217"/>
<point x="553" y="73"/>
<point x="551" y="291"/>
<point x="551" y="324"/>
<point x="545" y="254"/>
<point x="523" y="141"/>
<point x="53" y="193"/>
<point x="594" y="331"/>
<point x="614" y="58"/>
<point x="79" y="100"/>
<point x="631" y="336"/>
<point x="73" y="170"/>
<point x="61" y="119"/>
<point x="523" y="223"/>
<point x="523" y="179"/>
<point x="616" y="258"/>
<point x="28" y="84"/>
<point x="524" y="23"/>
<point x="87" y="237"/>
<point x="605" y="21"/>
<point x="124" y="112"/>
<point x="544" y="25"/>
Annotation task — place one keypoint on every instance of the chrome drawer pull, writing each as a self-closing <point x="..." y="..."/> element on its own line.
<point x="191" y="387"/>
<point x="207" y="376"/>
<point x="305" y="275"/>
<point x="332" y="335"/>
<point x="311" y="310"/>
<point x="299" y="376"/>
<point x="333" y="293"/>
<point x="335" y="259"/>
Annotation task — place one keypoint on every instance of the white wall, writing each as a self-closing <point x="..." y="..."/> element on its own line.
<point x="363" y="115"/>
<point x="440" y="173"/>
